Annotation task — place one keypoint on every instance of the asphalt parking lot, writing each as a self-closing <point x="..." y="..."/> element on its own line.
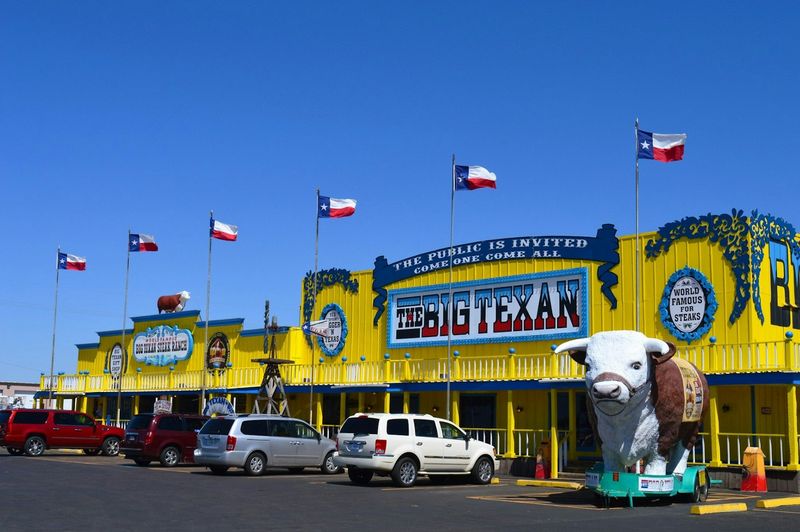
<point x="68" y="491"/>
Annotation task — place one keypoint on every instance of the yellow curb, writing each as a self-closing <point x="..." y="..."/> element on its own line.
<point x="551" y="484"/>
<point x="718" y="508"/>
<point x="774" y="503"/>
<point x="495" y="480"/>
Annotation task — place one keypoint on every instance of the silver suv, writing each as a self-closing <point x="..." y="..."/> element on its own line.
<point x="258" y="441"/>
<point x="407" y="445"/>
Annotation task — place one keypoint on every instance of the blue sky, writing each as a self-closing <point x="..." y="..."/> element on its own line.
<point x="146" y="115"/>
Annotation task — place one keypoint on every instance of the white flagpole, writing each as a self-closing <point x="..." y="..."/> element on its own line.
<point x="638" y="266"/>
<point x="313" y="304"/>
<point x="124" y="320"/>
<point x="208" y="317"/>
<point x="448" y="309"/>
<point x="53" y="348"/>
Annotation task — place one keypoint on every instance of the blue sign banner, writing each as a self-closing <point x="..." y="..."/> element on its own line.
<point x="601" y="248"/>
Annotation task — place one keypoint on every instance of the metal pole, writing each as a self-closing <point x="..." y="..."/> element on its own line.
<point x="313" y="304"/>
<point x="124" y="320"/>
<point x="638" y="272"/>
<point x="449" y="307"/>
<point x="208" y="318"/>
<point x="53" y="348"/>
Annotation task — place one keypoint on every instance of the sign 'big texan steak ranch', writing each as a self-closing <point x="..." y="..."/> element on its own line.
<point x="162" y="345"/>
<point x="521" y="308"/>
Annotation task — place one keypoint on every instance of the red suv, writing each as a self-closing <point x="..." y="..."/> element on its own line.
<point x="168" y="438"/>
<point x="30" y="431"/>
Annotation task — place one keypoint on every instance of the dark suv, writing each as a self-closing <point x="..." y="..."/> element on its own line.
<point x="168" y="438"/>
<point x="30" y="431"/>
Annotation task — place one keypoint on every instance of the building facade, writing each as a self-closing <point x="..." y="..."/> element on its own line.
<point x="724" y="288"/>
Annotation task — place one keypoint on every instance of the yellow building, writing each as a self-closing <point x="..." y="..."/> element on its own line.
<point x="724" y="288"/>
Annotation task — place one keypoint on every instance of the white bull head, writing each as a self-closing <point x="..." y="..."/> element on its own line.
<point x="618" y="366"/>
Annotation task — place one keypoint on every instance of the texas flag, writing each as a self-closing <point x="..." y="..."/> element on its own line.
<point x="660" y="146"/>
<point x="223" y="231"/>
<point x="142" y="242"/>
<point x="71" y="262"/>
<point x="335" y="208"/>
<point x="472" y="177"/>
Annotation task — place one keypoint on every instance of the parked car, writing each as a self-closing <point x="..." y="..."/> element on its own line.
<point x="31" y="431"/>
<point x="408" y="445"/>
<point x="258" y="441"/>
<point x="168" y="438"/>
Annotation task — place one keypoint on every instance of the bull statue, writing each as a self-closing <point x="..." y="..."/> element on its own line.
<point x="174" y="303"/>
<point x="646" y="405"/>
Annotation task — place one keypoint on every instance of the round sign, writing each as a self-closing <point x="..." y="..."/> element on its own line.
<point x="332" y="341"/>
<point x="688" y="304"/>
<point x="115" y="360"/>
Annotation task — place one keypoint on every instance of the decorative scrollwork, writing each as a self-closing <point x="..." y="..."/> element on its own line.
<point x="763" y="228"/>
<point x="325" y="278"/>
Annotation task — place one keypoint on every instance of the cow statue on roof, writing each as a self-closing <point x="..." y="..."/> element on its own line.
<point x="646" y="404"/>
<point x="173" y="303"/>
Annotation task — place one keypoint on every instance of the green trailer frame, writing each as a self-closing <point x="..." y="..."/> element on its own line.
<point x="692" y="486"/>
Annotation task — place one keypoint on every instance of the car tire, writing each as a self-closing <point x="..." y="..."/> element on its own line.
<point x="218" y="469"/>
<point x="483" y="470"/>
<point x="328" y="467"/>
<point x="359" y="476"/>
<point x="143" y="462"/>
<point x="91" y="452"/>
<point x="34" y="446"/>
<point x="256" y="464"/>
<point x="170" y="456"/>
<point x="13" y="451"/>
<point x="404" y="473"/>
<point x="111" y="446"/>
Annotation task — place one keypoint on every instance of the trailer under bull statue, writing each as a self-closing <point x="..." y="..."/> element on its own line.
<point x="646" y="407"/>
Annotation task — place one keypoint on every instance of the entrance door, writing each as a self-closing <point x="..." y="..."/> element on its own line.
<point x="478" y="411"/>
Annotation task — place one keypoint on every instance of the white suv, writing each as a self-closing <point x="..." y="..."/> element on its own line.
<point x="407" y="445"/>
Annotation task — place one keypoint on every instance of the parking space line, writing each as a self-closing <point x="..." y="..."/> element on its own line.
<point x="774" y="511"/>
<point x="438" y="488"/>
<point x="534" y="500"/>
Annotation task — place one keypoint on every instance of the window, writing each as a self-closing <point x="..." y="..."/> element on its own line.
<point x="193" y="424"/>
<point x="170" y="423"/>
<point x="61" y="418"/>
<point x="301" y="430"/>
<point x="31" y="418"/>
<point x="83" y="419"/>
<point x="256" y="427"/>
<point x="360" y="425"/>
<point x="4" y="417"/>
<point x="217" y="426"/>
<point x="140" y="422"/>
<point x="279" y="428"/>
<point x="397" y="427"/>
<point x="425" y="428"/>
<point x="451" y="432"/>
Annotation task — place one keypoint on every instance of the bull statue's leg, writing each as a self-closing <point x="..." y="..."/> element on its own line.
<point x="611" y="461"/>
<point x="678" y="459"/>
<point x="656" y="465"/>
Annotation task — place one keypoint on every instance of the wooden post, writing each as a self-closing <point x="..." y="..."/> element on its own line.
<point x="713" y="418"/>
<point x="454" y="397"/>
<point x="387" y="402"/>
<point x="553" y="433"/>
<point x="342" y="407"/>
<point x="791" y="429"/>
<point x="573" y="426"/>
<point x="406" y="401"/>
<point x="510" y="424"/>
<point x="318" y="413"/>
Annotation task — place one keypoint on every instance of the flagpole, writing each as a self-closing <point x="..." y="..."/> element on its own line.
<point x="449" y="306"/>
<point x="313" y="304"/>
<point x="638" y="267"/>
<point x="208" y="317"/>
<point x="124" y="320"/>
<point x="53" y="348"/>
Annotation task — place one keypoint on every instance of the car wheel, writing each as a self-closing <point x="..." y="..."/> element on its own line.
<point x="359" y="476"/>
<point x="13" y="451"/>
<point x="698" y="494"/>
<point x="170" y="456"/>
<point x="255" y="464"/>
<point x="91" y="452"/>
<point x="483" y="471"/>
<point x="34" y="446"/>
<point x="111" y="446"/>
<point x="141" y="462"/>
<point x="404" y="473"/>
<point x="328" y="467"/>
<point x="218" y="469"/>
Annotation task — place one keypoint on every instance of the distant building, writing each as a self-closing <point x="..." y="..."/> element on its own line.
<point x="17" y="394"/>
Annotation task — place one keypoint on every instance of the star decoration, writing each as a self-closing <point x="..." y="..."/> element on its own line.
<point x="323" y="207"/>
<point x="645" y="145"/>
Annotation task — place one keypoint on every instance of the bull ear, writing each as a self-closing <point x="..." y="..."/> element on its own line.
<point x="576" y="348"/>
<point x="659" y="350"/>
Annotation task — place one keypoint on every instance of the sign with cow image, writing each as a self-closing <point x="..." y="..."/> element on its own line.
<point x="163" y="345"/>
<point x="688" y="304"/>
<point x="531" y="307"/>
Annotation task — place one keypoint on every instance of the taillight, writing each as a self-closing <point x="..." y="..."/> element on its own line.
<point x="231" y="445"/>
<point x="337" y="444"/>
<point x="380" y="446"/>
<point x="148" y="438"/>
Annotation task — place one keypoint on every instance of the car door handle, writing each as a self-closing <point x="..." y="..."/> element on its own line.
<point x="419" y="443"/>
<point x="56" y="428"/>
<point x="449" y="445"/>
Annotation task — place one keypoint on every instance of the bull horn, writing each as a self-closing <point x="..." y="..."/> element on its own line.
<point x="578" y="344"/>
<point x="654" y="345"/>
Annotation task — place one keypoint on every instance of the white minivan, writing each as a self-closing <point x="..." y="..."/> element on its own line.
<point x="407" y="445"/>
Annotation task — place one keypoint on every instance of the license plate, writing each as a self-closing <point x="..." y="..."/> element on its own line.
<point x="207" y="441"/>
<point x="132" y="437"/>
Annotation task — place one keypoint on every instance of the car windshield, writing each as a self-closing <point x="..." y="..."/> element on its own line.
<point x="360" y="425"/>
<point x="217" y="425"/>
<point x="140" y="421"/>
